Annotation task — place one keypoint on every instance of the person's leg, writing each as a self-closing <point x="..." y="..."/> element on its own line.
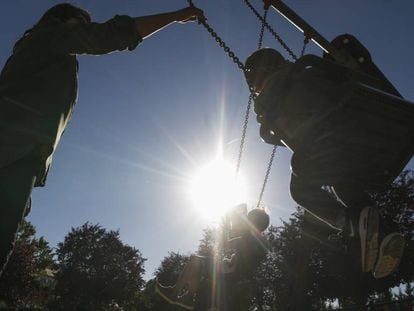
<point x="319" y="203"/>
<point x="314" y="229"/>
<point x="353" y="196"/>
<point x="311" y="170"/>
<point x="380" y="258"/>
<point x="16" y="184"/>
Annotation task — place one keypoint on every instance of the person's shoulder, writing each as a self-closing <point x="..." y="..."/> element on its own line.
<point x="47" y="26"/>
<point x="44" y="32"/>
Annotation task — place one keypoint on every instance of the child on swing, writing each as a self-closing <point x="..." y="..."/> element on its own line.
<point x="247" y="248"/>
<point x="328" y="180"/>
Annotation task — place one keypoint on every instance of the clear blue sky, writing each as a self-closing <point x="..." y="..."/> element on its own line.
<point x="147" y="119"/>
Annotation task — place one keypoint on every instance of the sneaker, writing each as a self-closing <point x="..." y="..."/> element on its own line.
<point x="368" y="233"/>
<point x="391" y="251"/>
<point x="169" y="293"/>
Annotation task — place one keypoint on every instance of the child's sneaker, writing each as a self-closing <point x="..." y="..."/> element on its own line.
<point x="368" y="233"/>
<point x="391" y="251"/>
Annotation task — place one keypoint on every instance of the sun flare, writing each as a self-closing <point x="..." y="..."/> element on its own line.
<point x="215" y="187"/>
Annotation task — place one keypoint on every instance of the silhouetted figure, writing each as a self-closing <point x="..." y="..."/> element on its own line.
<point x="350" y="133"/>
<point x="203" y="277"/>
<point x="38" y="90"/>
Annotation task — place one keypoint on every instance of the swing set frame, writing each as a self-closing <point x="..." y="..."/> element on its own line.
<point x="309" y="32"/>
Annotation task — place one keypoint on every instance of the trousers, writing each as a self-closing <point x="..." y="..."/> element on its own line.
<point x="16" y="184"/>
<point x="324" y="183"/>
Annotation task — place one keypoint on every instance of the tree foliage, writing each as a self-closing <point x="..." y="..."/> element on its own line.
<point x="96" y="271"/>
<point x="305" y="271"/>
<point x="167" y="274"/>
<point x="207" y="246"/>
<point x="24" y="281"/>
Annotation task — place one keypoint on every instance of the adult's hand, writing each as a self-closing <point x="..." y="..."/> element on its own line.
<point x="148" y="25"/>
<point x="189" y="14"/>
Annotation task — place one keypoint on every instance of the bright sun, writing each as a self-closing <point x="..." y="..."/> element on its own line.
<point x="214" y="188"/>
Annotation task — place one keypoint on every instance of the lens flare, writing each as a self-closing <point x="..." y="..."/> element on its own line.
<point x="215" y="187"/>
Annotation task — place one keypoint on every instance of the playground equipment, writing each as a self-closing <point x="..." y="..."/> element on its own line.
<point x="376" y="117"/>
<point x="385" y="117"/>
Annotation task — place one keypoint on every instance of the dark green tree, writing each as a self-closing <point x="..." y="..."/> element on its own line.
<point x="305" y="271"/>
<point x="171" y="267"/>
<point x="207" y="246"/>
<point x="28" y="278"/>
<point x="286" y="277"/>
<point x="409" y="291"/>
<point x="96" y="271"/>
<point x="167" y="274"/>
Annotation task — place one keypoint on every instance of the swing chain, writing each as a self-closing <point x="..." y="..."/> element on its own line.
<point x="222" y="44"/>
<point x="220" y="41"/>
<point x="244" y="131"/>
<point x="305" y="44"/>
<point x="269" y="167"/>
<point x="262" y="29"/>
<point x="272" y="156"/>
<point x="252" y="97"/>
<point x="271" y="30"/>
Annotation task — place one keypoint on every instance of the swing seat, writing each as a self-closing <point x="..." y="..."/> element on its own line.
<point x="378" y="127"/>
<point x="369" y="128"/>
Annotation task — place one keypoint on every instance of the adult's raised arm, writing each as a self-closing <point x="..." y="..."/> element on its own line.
<point x="117" y="34"/>
<point x="148" y="25"/>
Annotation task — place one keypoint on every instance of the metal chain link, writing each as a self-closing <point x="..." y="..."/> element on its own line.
<point x="239" y="64"/>
<point x="305" y="44"/>
<point x="269" y="167"/>
<point x="271" y="30"/>
<point x="252" y="96"/>
<point x="244" y="131"/>
<point x="220" y="41"/>
<point x="262" y="29"/>
<point x="272" y="156"/>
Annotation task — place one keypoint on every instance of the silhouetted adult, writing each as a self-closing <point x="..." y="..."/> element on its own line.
<point x="38" y="90"/>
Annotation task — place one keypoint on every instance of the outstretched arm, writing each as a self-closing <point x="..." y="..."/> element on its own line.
<point x="148" y="25"/>
<point x="117" y="34"/>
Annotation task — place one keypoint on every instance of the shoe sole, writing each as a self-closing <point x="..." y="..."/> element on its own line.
<point x="391" y="251"/>
<point x="368" y="232"/>
<point x="173" y="302"/>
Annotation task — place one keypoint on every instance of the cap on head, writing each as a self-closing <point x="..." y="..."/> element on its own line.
<point x="262" y="62"/>
<point x="259" y="218"/>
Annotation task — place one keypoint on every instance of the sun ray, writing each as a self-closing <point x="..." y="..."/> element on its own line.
<point x="129" y="163"/>
<point x="215" y="188"/>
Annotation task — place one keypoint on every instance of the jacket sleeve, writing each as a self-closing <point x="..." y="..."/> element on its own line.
<point x="117" y="34"/>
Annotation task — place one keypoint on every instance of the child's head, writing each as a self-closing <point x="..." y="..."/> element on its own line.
<point x="260" y="65"/>
<point x="259" y="218"/>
